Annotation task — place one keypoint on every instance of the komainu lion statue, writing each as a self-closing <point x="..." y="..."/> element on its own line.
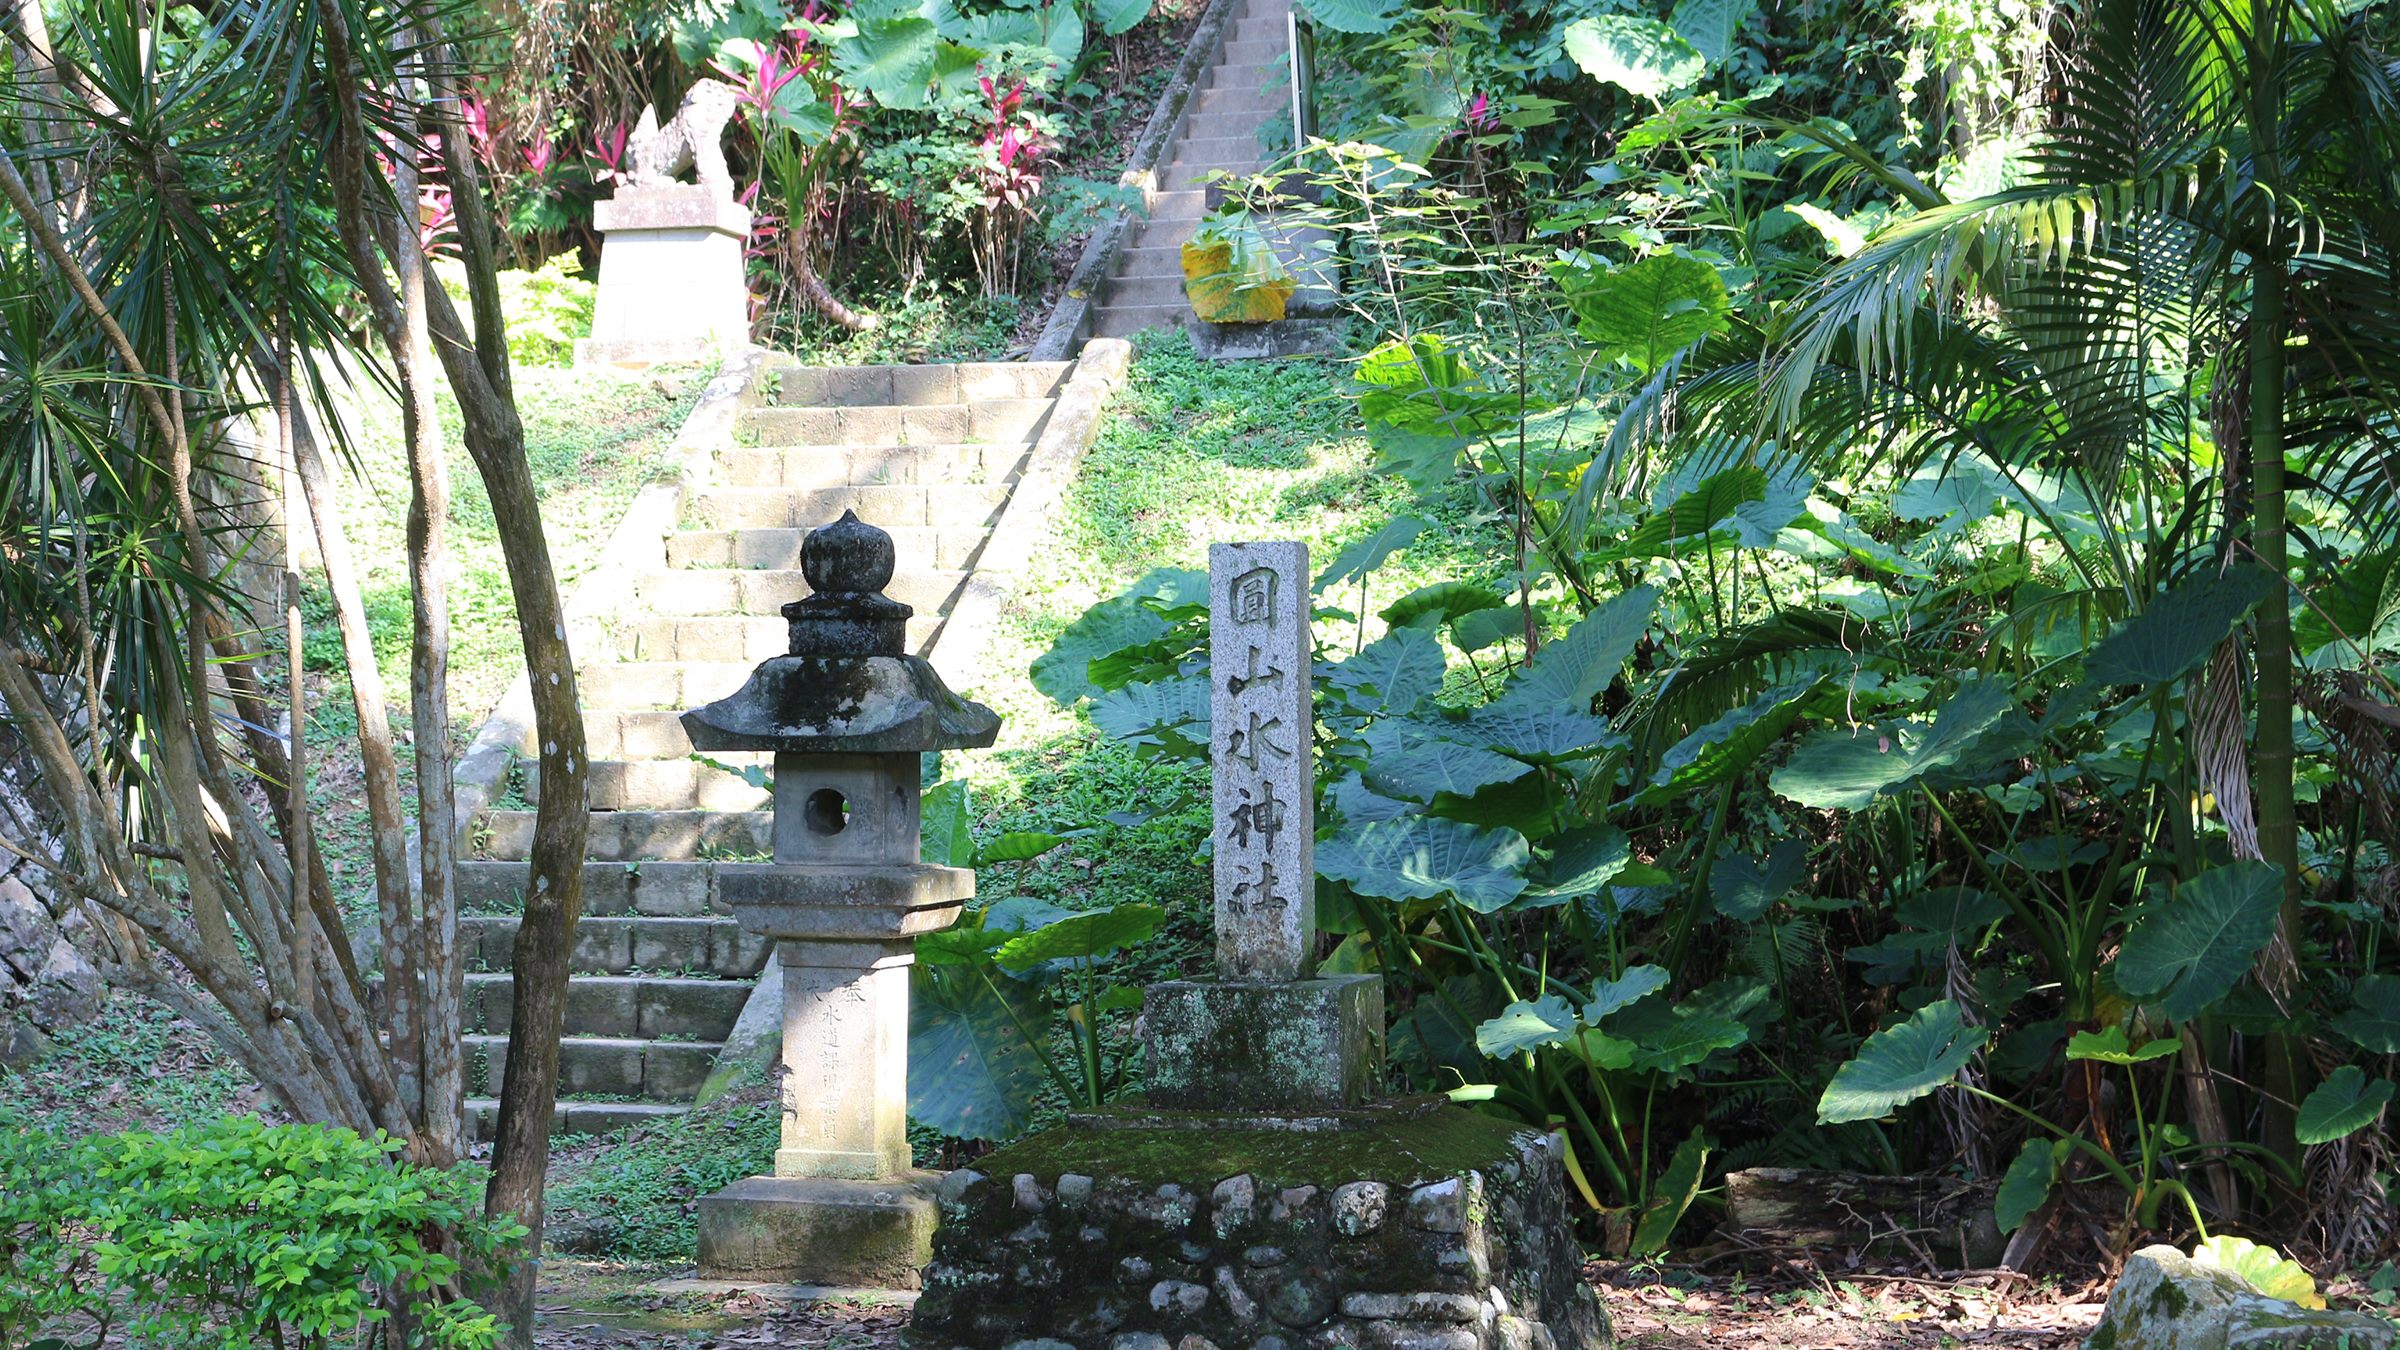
<point x="692" y="140"/>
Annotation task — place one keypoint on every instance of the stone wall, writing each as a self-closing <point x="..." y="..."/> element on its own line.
<point x="46" y="984"/>
<point x="1286" y="1255"/>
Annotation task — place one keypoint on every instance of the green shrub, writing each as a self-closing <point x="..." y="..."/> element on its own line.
<point x="236" y="1234"/>
<point x="548" y="308"/>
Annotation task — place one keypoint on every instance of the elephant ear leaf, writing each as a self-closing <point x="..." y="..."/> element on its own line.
<point x="1848" y="771"/>
<point x="2177" y="631"/>
<point x="1085" y="936"/>
<point x="1421" y="857"/>
<point x="1900" y="1064"/>
<point x="1639" y="55"/>
<point x="2262" y="1268"/>
<point x="973" y="1070"/>
<point x="1523" y="1026"/>
<point x="2342" y="1105"/>
<point x="1568" y="672"/>
<point x="2025" y="1185"/>
<point x="2373" y="1018"/>
<point x="1647" y="312"/>
<point x="2197" y="943"/>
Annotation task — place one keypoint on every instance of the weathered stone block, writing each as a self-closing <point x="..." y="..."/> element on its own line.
<point x="866" y="1234"/>
<point x="1300" y="1045"/>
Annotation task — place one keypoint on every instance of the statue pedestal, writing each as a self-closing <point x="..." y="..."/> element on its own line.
<point x="671" y="283"/>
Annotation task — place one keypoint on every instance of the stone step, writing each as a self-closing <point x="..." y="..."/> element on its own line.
<point x="1151" y="260"/>
<point x="1128" y="320"/>
<point x="1255" y="51"/>
<point x="1237" y="124"/>
<point x="698" y="591"/>
<point x="647" y="733"/>
<point x="642" y="1007"/>
<point x="1222" y="100"/>
<point x="1254" y="26"/>
<point x="629" y="836"/>
<point x="615" y="1066"/>
<point x="1179" y="176"/>
<point x="1144" y="292"/>
<point x="577" y="1117"/>
<point x="622" y="944"/>
<point x="1168" y="233"/>
<point x="1185" y="206"/>
<point x="745" y="639"/>
<point x="660" y="785"/>
<point x="917" y="547"/>
<point x="994" y="420"/>
<point x="1249" y="78"/>
<point x="833" y="466"/>
<point x="948" y="506"/>
<point x="798" y="386"/>
<point x="658" y="890"/>
<point x="642" y="685"/>
<point x="1193" y="151"/>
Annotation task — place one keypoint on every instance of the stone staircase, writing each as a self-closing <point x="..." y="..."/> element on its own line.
<point x="661" y="970"/>
<point x="1248" y="88"/>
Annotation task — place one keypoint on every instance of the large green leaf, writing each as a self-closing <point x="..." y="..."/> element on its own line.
<point x="1117" y="16"/>
<point x="1364" y="555"/>
<point x="1064" y="672"/>
<point x="2109" y="1045"/>
<point x="1641" y="56"/>
<point x="1743" y="888"/>
<point x="2191" y="948"/>
<point x="1544" y="735"/>
<point x="2177" y="630"/>
<point x="1523" y="1026"/>
<point x="1670" y="1196"/>
<point x="1085" y="936"/>
<point x="1669" y="1038"/>
<point x="1647" y="311"/>
<point x="1901" y="1063"/>
<point x="1613" y="996"/>
<point x="2026" y="1184"/>
<point x="2358" y="605"/>
<point x="1569" y="672"/>
<point x="946" y="825"/>
<point x="2373" y="1017"/>
<point x="1441" y="602"/>
<point x="1729" y="744"/>
<point x="1428" y="768"/>
<point x="1836" y="770"/>
<point x="2342" y="1105"/>
<point x="971" y="1072"/>
<point x="1354" y="16"/>
<point x="891" y="59"/>
<point x="1710" y="25"/>
<point x="1422" y="857"/>
<point x="2262" y="1268"/>
<point x="1394" y="673"/>
<point x="1172" y="713"/>
<point x="1017" y="846"/>
<point x="1581" y="861"/>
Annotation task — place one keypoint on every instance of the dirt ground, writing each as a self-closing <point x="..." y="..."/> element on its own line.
<point x="595" y="1306"/>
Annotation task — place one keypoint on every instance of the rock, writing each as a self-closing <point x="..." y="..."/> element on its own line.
<point x="953" y="1187"/>
<point x="1074" y="1189"/>
<point x="67" y="990"/>
<point x="1180" y="1295"/>
<point x="1358" y="1208"/>
<point x="1235" y="1204"/>
<point x="1443" y="1207"/>
<point x="1133" y="1270"/>
<point x="1140" y="1340"/>
<point x="1411" y="1336"/>
<point x="1238" y="1303"/>
<point x="21" y="1047"/>
<point x="581" y="1234"/>
<point x="1030" y="1195"/>
<point x="1042" y="1343"/>
<point x="1412" y="1307"/>
<point x="1264" y="1256"/>
<point x="2167" y="1301"/>
<point x="1295" y="1205"/>
<point x="26" y="930"/>
<point x="1295" y="1296"/>
<point x="1195" y="1343"/>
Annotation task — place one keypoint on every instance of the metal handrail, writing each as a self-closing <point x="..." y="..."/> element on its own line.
<point x="1304" y="77"/>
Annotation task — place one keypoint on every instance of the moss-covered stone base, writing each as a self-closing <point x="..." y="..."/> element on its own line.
<point x="1410" y="1227"/>
<point x="819" y="1230"/>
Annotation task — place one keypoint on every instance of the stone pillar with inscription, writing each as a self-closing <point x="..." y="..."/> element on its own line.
<point x="1260" y="1196"/>
<point x="1266" y="1034"/>
<point x="848" y="716"/>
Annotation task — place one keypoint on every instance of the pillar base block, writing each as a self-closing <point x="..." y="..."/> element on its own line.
<point x="820" y="1231"/>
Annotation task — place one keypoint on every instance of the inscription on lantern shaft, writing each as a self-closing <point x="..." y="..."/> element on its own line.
<point x="1261" y="760"/>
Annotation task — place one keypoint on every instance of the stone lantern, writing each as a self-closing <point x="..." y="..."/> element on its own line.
<point x="848" y="714"/>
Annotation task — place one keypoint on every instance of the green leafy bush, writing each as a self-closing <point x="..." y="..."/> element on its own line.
<point x="237" y="1234"/>
<point x="548" y="308"/>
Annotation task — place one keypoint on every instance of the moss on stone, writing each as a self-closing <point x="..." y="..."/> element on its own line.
<point x="1403" y="1150"/>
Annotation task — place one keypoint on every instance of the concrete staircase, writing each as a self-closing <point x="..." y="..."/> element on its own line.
<point x="1247" y="89"/>
<point x="930" y="453"/>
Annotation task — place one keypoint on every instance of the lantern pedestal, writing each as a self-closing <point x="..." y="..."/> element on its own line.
<point x="820" y="1231"/>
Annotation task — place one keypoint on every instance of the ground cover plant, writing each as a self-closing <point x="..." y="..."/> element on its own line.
<point x="1916" y="705"/>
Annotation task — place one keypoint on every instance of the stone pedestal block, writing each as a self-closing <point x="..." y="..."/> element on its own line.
<point x="821" y="1231"/>
<point x="1407" y="1226"/>
<point x="1296" y="1045"/>
<point x="671" y="283"/>
<point x="845" y="1038"/>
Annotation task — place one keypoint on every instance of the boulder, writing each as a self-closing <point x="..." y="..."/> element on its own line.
<point x="2165" y="1300"/>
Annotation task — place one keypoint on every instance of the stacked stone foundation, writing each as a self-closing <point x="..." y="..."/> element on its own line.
<point x="1409" y="1226"/>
